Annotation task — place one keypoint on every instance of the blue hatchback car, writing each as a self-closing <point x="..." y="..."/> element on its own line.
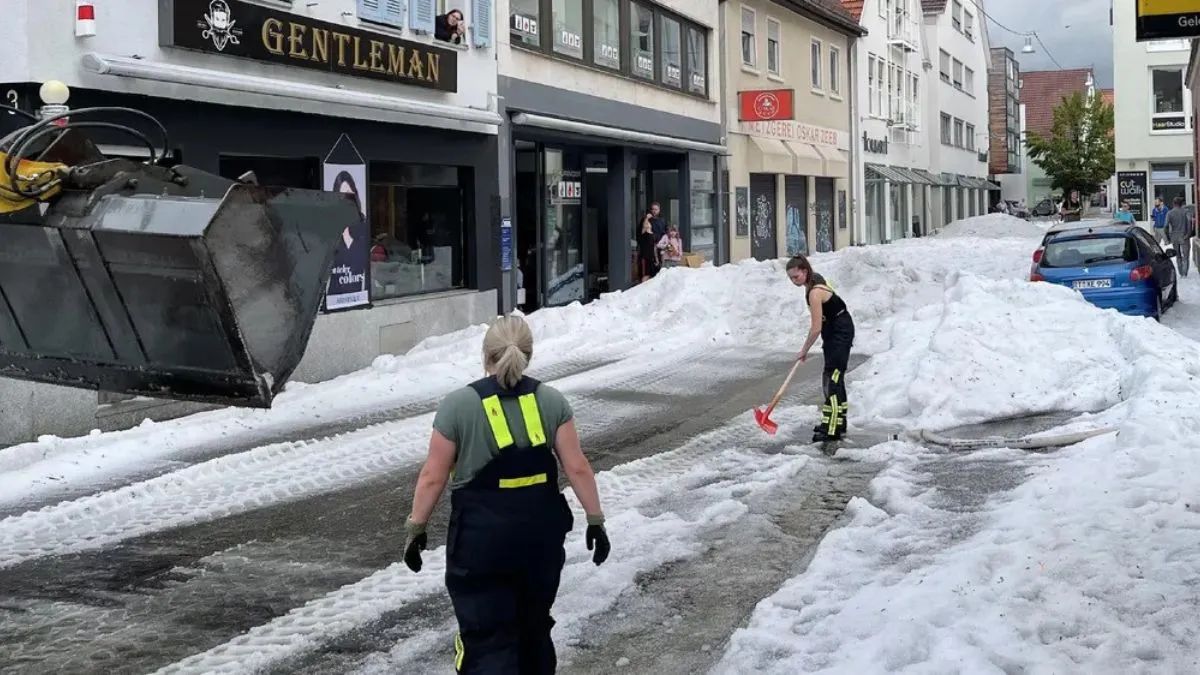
<point x="1115" y="265"/>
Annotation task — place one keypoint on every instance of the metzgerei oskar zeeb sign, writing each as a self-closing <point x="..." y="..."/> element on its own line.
<point x="235" y="28"/>
<point x="1165" y="19"/>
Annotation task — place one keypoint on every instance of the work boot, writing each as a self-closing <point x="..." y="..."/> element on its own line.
<point x="823" y="436"/>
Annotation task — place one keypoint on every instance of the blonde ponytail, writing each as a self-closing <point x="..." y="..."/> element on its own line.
<point x="507" y="349"/>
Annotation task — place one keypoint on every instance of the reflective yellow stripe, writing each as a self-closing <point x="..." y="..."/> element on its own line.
<point x="495" y="415"/>
<point x="833" y="418"/>
<point x="524" y="481"/>
<point x="837" y="375"/>
<point x="533" y="420"/>
<point x="459" y="652"/>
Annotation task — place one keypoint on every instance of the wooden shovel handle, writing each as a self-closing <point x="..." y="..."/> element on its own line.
<point x="783" y="387"/>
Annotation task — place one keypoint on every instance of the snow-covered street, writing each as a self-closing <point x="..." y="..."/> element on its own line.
<point x="270" y="540"/>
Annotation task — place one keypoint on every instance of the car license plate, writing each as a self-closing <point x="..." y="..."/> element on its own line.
<point x="1085" y="284"/>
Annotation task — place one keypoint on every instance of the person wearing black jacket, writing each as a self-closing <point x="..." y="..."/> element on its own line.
<point x="832" y="322"/>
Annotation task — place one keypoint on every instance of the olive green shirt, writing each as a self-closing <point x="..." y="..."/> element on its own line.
<point x="462" y="420"/>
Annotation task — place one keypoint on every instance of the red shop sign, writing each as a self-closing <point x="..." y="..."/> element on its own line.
<point x="765" y="105"/>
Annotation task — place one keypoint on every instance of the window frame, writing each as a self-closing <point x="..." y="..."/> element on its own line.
<point x="815" y="65"/>
<point x="969" y="136"/>
<point x="947" y="129"/>
<point x="872" y="85"/>
<point x="956" y="13"/>
<point x="1186" y="103"/>
<point x="959" y="133"/>
<point x="778" y="70"/>
<point x="753" y="32"/>
<point x="968" y="81"/>
<point x="545" y="46"/>
<point x="969" y="25"/>
<point x="835" y="71"/>
<point x="956" y="75"/>
<point x="944" y="58"/>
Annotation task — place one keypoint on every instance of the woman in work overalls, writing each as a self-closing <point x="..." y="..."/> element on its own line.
<point x="831" y="321"/>
<point x="496" y="442"/>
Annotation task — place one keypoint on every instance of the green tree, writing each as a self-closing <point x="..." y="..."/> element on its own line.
<point x="1079" y="154"/>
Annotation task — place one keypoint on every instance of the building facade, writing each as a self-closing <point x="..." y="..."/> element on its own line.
<point x="609" y="106"/>
<point x="1154" y="117"/>
<point x="956" y="47"/>
<point x="290" y="91"/>
<point x="896" y="179"/>
<point x="789" y="93"/>
<point x="1004" y="125"/>
<point x="1041" y="92"/>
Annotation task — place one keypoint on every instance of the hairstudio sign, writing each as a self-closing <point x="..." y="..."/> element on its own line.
<point x="235" y="28"/>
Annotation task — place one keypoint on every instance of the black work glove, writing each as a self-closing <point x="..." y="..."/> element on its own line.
<point x="414" y="544"/>
<point x="598" y="538"/>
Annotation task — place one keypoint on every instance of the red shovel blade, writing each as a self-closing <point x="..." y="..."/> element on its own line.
<point x="763" y="417"/>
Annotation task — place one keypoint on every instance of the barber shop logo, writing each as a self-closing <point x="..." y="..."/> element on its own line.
<point x="218" y="25"/>
<point x="766" y="106"/>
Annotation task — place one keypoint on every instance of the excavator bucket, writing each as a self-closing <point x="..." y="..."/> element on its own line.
<point x="166" y="282"/>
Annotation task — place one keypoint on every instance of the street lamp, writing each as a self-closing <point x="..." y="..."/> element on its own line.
<point x="1028" y="48"/>
<point x="54" y="95"/>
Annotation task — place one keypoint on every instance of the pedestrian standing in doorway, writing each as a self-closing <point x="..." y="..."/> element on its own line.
<point x="671" y="248"/>
<point x="831" y="321"/>
<point x="1159" y="216"/>
<point x="1180" y="230"/>
<point x="658" y="227"/>
<point x="648" y="260"/>
<point x="508" y="520"/>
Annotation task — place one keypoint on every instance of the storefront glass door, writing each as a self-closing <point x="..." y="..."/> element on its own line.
<point x="824" y="214"/>
<point x="562" y="227"/>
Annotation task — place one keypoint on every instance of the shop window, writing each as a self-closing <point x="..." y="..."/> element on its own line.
<point x="704" y="205"/>
<point x="672" y="53"/>
<point x="815" y="61"/>
<point x="562" y="227"/>
<point x="606" y="27"/>
<point x="697" y="61"/>
<point x="641" y="37"/>
<point x="946" y="133"/>
<point x="418" y="228"/>
<point x="773" y="54"/>
<point x="568" y="27"/>
<point x="1168" y="100"/>
<point x="525" y="22"/>
<point x="749" y="48"/>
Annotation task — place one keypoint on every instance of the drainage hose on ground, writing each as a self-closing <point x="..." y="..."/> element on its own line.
<point x="1023" y="443"/>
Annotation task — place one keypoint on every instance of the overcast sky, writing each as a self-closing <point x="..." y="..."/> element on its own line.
<point x="1075" y="31"/>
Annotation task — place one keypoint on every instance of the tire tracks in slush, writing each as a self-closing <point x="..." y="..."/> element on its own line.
<point x="192" y="587"/>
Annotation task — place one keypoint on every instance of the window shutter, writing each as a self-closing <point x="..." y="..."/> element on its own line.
<point x="422" y="14"/>
<point x="481" y="16"/>
<point x="392" y="12"/>
<point x="368" y="10"/>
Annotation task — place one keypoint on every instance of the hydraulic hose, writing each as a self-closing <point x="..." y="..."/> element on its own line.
<point x="1022" y="443"/>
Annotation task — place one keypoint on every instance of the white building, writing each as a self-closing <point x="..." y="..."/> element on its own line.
<point x="894" y="182"/>
<point x="956" y="107"/>
<point x="921" y="78"/>
<point x="1154" y="122"/>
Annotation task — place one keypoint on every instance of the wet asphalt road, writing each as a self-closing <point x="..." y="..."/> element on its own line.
<point x="155" y="599"/>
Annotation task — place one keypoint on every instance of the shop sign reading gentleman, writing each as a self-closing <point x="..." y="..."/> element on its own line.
<point x="250" y="31"/>
<point x="1164" y="19"/>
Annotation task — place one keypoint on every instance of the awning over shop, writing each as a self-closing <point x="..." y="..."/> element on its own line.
<point x="809" y="162"/>
<point x="989" y="185"/>
<point x="932" y="179"/>
<point x="837" y="162"/>
<point x="768" y="155"/>
<point x="912" y="176"/>
<point x="887" y="173"/>
<point x="974" y="183"/>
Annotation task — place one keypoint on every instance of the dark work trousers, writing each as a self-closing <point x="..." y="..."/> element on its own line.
<point x="837" y="337"/>
<point x="504" y="558"/>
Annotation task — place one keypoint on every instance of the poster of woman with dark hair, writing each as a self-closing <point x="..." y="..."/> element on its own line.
<point x="348" y="281"/>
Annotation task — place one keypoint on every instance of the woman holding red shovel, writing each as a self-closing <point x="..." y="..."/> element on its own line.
<point x="831" y="321"/>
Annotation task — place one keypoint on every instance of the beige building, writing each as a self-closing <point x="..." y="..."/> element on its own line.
<point x="788" y="96"/>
